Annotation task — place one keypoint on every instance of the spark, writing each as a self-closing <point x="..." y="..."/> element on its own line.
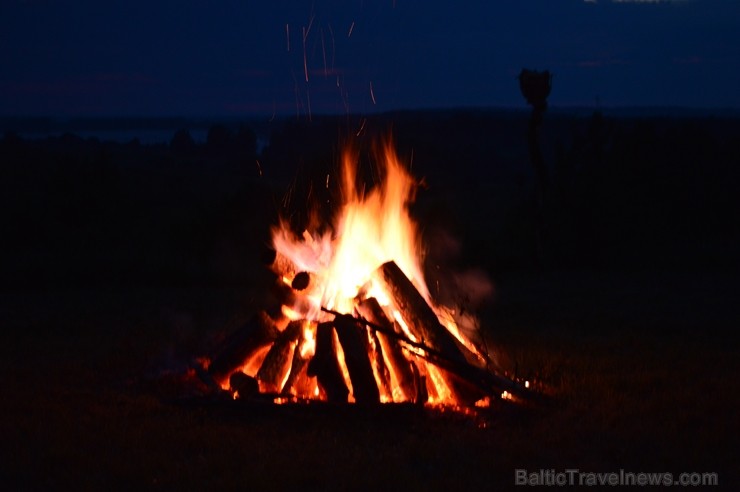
<point x="345" y="97"/>
<point x="323" y="52"/>
<point x="351" y="28"/>
<point x="286" y="202"/>
<point x="372" y="94"/>
<point x="310" y="23"/>
<point x="362" y="127"/>
<point x="287" y="35"/>
<point x="327" y="181"/>
<point x="333" y="46"/>
<point x="259" y="167"/>
<point x="305" y="62"/>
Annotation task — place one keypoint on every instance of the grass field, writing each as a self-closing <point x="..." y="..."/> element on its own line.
<point x="123" y="261"/>
<point x="643" y="368"/>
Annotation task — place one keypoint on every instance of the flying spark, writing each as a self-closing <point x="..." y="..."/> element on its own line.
<point x="351" y="28"/>
<point x="372" y="94"/>
<point x="362" y="127"/>
<point x="323" y="52"/>
<point x="310" y="23"/>
<point x="305" y="62"/>
<point x="333" y="46"/>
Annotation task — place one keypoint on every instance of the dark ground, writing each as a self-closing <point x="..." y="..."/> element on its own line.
<point x="122" y="261"/>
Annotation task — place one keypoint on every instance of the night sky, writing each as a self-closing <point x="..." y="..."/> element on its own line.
<point x="233" y="57"/>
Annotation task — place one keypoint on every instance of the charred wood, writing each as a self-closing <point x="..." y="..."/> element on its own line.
<point x="205" y="377"/>
<point x="324" y="365"/>
<point x="301" y="281"/>
<point x="422" y="395"/>
<point x="304" y="386"/>
<point x="277" y="361"/>
<point x="381" y="369"/>
<point x="283" y="295"/>
<point x="480" y="379"/>
<point x="280" y="294"/>
<point x="297" y="366"/>
<point x="400" y="367"/>
<point x="245" y="385"/>
<point x="423" y="324"/>
<point x="257" y="333"/>
<point x="351" y="335"/>
<point x="414" y="309"/>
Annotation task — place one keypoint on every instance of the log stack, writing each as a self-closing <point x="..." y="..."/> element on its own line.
<point x="366" y="356"/>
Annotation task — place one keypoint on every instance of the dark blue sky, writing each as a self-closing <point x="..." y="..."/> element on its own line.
<point x="230" y="57"/>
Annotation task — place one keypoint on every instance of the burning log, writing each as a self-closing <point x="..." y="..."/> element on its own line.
<point x="424" y="326"/>
<point x="245" y="385"/>
<point x="325" y="365"/>
<point x="383" y="374"/>
<point x="301" y="281"/>
<point x="296" y="368"/>
<point x="468" y="380"/>
<point x="419" y="317"/>
<point x="257" y="333"/>
<point x="422" y="395"/>
<point x="400" y="367"/>
<point x="276" y="364"/>
<point x="284" y="295"/>
<point x="281" y="295"/>
<point x="204" y="376"/>
<point x="364" y="387"/>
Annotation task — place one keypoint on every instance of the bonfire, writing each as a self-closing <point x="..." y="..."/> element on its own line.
<point x="356" y="321"/>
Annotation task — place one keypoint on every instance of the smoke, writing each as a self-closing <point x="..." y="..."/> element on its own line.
<point x="464" y="289"/>
<point x="474" y="287"/>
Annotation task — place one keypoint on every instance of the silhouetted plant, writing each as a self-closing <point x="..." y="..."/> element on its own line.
<point x="535" y="87"/>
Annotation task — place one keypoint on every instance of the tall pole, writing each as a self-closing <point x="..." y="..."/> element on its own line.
<point x="535" y="87"/>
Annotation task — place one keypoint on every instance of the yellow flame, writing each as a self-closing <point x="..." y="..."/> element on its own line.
<point x="308" y="345"/>
<point x="371" y="228"/>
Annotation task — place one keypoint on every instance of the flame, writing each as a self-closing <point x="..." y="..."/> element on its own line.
<point x="371" y="228"/>
<point x="308" y="345"/>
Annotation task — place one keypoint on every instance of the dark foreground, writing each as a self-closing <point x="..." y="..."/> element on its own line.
<point x="643" y="369"/>
<point x="122" y="261"/>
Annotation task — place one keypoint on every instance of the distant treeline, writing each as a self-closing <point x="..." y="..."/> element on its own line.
<point x="643" y="193"/>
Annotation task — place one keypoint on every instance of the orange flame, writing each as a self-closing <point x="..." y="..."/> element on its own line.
<point x="370" y="229"/>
